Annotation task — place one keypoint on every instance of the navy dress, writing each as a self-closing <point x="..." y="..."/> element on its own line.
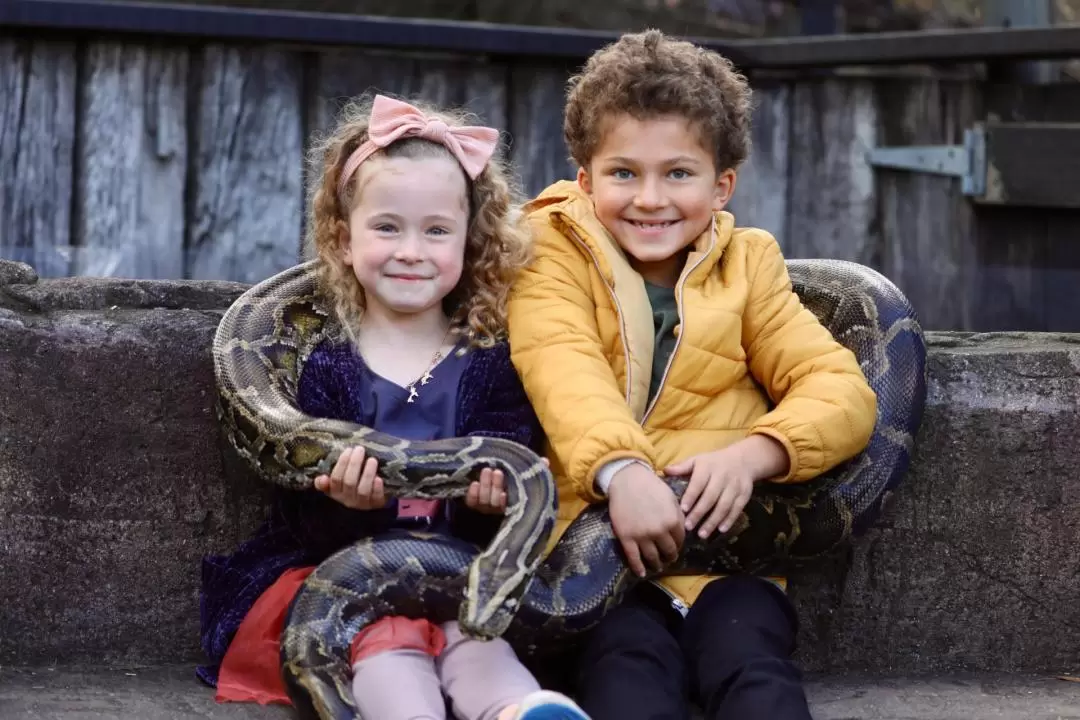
<point x="470" y="393"/>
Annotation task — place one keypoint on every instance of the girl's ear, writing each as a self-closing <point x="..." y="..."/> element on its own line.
<point x="345" y="244"/>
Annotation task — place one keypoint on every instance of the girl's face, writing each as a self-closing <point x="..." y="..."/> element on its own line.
<point x="406" y="241"/>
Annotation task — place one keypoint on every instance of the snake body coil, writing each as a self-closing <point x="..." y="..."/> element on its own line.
<point x="259" y="350"/>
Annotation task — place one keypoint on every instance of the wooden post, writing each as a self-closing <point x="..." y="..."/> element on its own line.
<point x="246" y="201"/>
<point x="1023" y="13"/>
<point x="37" y="146"/>
<point x="761" y="192"/>
<point x="131" y="156"/>
<point x="818" y="17"/>
<point x="537" y="98"/>
<point x="832" y="201"/>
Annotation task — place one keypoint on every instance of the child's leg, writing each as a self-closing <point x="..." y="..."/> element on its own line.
<point x="481" y="678"/>
<point x="738" y="640"/>
<point x="398" y="685"/>
<point x="632" y="667"/>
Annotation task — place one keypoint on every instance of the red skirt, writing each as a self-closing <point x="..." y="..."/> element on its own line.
<point x="251" y="668"/>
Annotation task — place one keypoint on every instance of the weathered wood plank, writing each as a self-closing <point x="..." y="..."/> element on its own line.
<point x="832" y="203"/>
<point x="132" y="160"/>
<point x="927" y="221"/>
<point x="1029" y="260"/>
<point x="1033" y="164"/>
<point x="1059" y="271"/>
<point x="445" y="81"/>
<point x="244" y="220"/>
<point x="37" y="145"/>
<point x="761" y="192"/>
<point x="538" y="96"/>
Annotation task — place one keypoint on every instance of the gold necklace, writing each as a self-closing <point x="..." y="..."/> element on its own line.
<point x="426" y="377"/>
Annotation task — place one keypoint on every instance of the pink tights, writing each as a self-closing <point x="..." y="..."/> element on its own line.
<point x="479" y="678"/>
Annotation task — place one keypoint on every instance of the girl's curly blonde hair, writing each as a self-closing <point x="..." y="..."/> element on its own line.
<point x="497" y="243"/>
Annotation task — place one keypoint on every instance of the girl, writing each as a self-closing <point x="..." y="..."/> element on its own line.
<point x="417" y="244"/>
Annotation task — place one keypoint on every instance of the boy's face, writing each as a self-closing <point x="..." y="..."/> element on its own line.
<point x="655" y="188"/>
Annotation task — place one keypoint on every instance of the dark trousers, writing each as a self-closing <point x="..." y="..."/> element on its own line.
<point x="731" y="656"/>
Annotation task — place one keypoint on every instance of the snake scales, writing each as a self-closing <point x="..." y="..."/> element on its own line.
<point x="508" y="588"/>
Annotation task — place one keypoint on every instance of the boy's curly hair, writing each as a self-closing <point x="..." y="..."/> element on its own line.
<point x="646" y="75"/>
<point x="496" y="246"/>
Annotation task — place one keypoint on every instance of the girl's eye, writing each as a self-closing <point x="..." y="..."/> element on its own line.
<point x="622" y="174"/>
<point x="679" y="174"/>
<point x="439" y="231"/>
<point x="385" y="228"/>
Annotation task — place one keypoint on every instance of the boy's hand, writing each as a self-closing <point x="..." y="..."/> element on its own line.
<point x="353" y="482"/>
<point x="646" y="518"/>
<point x="488" y="494"/>
<point x="721" y="481"/>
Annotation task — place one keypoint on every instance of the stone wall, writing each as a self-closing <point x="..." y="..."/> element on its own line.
<point x="112" y="486"/>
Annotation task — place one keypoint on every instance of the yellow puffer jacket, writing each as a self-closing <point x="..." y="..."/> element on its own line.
<point x="581" y="337"/>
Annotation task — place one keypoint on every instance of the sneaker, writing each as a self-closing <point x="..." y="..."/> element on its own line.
<point x="548" y="705"/>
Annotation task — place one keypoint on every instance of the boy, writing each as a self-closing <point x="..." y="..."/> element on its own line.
<point x="651" y="335"/>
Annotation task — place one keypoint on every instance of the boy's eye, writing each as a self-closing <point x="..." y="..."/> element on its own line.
<point x="679" y="174"/>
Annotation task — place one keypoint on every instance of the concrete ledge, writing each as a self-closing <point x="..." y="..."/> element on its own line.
<point x="172" y="693"/>
<point x="975" y="566"/>
<point x="112" y="487"/>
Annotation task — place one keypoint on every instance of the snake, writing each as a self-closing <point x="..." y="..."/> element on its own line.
<point x="510" y="588"/>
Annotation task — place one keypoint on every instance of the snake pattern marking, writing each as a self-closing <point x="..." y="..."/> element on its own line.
<point x="508" y="589"/>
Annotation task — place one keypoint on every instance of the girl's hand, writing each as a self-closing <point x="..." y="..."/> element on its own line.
<point x="353" y="482"/>
<point x="487" y="495"/>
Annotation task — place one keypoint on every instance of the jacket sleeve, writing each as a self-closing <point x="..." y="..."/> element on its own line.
<point x="555" y="346"/>
<point x="824" y="409"/>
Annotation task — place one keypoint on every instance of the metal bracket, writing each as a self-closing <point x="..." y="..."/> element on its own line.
<point x="967" y="161"/>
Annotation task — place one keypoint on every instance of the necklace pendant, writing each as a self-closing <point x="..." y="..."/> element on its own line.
<point x="426" y="378"/>
<point x="412" y="394"/>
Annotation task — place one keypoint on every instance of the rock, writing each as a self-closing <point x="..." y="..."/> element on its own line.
<point x="974" y="567"/>
<point x="12" y="273"/>
<point x="112" y="486"/>
<point x="83" y="293"/>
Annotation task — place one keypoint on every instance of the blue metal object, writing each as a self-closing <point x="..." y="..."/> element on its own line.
<point x="966" y="161"/>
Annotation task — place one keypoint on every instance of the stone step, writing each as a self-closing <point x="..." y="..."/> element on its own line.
<point x="113" y="486"/>
<point x="172" y="693"/>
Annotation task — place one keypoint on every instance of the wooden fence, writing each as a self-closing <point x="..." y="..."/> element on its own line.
<point x="141" y="158"/>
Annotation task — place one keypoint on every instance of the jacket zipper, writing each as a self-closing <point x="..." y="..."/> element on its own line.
<point x="682" y="322"/>
<point x="676" y="602"/>
<point x="618" y="310"/>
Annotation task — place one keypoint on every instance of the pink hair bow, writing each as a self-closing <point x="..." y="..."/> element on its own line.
<point x="392" y="120"/>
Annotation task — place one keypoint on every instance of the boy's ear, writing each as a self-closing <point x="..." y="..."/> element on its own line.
<point x="725" y="188"/>
<point x="584" y="181"/>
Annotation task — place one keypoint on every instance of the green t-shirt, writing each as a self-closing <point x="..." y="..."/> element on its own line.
<point x="665" y="317"/>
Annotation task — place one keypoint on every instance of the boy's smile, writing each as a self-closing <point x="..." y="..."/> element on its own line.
<point x="655" y="188"/>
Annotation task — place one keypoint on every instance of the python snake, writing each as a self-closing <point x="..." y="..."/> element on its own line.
<point x="508" y="589"/>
